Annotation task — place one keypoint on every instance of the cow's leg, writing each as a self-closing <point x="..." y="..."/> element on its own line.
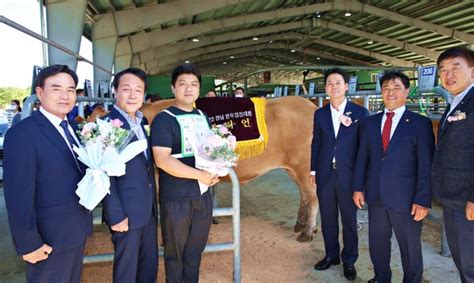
<point x="308" y="210"/>
<point x="302" y="218"/>
<point x="312" y="212"/>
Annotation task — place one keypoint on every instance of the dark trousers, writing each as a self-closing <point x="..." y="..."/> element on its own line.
<point x="60" y="266"/>
<point x="408" y="234"/>
<point x="332" y="200"/>
<point x="460" y="236"/>
<point x="185" y="228"/>
<point x="136" y="254"/>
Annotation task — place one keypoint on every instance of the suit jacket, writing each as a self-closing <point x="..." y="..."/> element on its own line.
<point x="325" y="145"/>
<point x="40" y="180"/>
<point x="453" y="163"/>
<point x="401" y="175"/>
<point x="133" y="194"/>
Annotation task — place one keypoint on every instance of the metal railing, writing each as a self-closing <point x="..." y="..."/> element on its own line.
<point x="234" y="246"/>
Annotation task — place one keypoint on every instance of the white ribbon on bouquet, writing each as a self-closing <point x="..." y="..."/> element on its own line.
<point x="204" y="161"/>
<point x="103" y="163"/>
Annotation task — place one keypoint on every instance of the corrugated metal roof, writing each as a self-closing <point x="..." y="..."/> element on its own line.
<point x="409" y="42"/>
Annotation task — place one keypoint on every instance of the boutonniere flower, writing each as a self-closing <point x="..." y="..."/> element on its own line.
<point x="457" y="116"/>
<point x="147" y="130"/>
<point x="346" y="119"/>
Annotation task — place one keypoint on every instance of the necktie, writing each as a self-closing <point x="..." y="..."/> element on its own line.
<point x="70" y="139"/>
<point x="387" y="127"/>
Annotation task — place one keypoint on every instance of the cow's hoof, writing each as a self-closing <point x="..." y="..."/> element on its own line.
<point x="304" y="238"/>
<point x="298" y="227"/>
<point x="215" y="221"/>
<point x="315" y="231"/>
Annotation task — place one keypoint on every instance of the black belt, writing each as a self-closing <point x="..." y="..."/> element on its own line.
<point x="334" y="166"/>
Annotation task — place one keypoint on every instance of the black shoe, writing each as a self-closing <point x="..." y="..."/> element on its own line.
<point x="350" y="272"/>
<point x="373" y="280"/>
<point x="326" y="262"/>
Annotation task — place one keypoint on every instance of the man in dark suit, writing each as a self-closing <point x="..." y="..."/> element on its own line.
<point x="130" y="209"/>
<point x="48" y="225"/>
<point x="393" y="168"/>
<point x="333" y="155"/>
<point x="453" y="163"/>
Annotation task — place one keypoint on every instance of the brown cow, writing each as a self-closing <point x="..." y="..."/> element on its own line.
<point x="290" y="130"/>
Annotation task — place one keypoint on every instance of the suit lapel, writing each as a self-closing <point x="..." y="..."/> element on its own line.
<point x="114" y="114"/>
<point x="50" y="131"/>
<point x="377" y="133"/>
<point x="328" y="115"/>
<point x="401" y="128"/>
<point x="460" y="107"/>
<point x="342" y="129"/>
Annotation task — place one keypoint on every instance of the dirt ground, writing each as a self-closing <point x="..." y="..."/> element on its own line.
<point x="269" y="250"/>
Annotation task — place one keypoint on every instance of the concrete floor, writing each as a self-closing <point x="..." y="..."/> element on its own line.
<point x="258" y="199"/>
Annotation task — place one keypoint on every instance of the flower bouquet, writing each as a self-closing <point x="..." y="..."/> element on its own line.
<point x="106" y="148"/>
<point x="214" y="151"/>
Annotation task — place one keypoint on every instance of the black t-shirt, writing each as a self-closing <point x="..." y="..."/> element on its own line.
<point x="165" y="132"/>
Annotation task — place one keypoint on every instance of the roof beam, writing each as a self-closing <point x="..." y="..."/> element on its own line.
<point x="160" y="37"/>
<point x="277" y="45"/>
<point x="189" y="55"/>
<point x="382" y="39"/>
<point x="182" y="56"/>
<point x="134" y="20"/>
<point x="391" y="60"/>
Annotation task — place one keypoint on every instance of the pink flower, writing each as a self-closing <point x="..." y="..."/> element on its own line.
<point x="223" y="130"/>
<point x="116" y="123"/>
<point x="345" y="120"/>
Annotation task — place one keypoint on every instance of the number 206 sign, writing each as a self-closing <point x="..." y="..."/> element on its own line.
<point x="427" y="79"/>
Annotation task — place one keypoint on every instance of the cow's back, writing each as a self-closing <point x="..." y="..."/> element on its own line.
<point x="290" y="128"/>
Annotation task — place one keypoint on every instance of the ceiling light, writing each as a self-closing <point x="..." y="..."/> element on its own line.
<point x="224" y="62"/>
<point x="187" y="62"/>
<point x="347" y="14"/>
<point x="317" y="58"/>
<point x="293" y="51"/>
<point x="270" y="41"/>
<point x="195" y="39"/>
<point x="255" y="38"/>
<point x="231" y="57"/>
<point x="370" y="42"/>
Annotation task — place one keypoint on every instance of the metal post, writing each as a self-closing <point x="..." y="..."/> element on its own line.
<point x="236" y="223"/>
<point x="43" y="34"/>
<point x="366" y="101"/>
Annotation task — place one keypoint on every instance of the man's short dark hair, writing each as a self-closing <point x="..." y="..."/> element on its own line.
<point x="134" y="71"/>
<point x="52" y="71"/>
<point x="187" y="68"/>
<point x="335" y="71"/>
<point x="392" y="75"/>
<point x="461" y="52"/>
<point x="241" y="88"/>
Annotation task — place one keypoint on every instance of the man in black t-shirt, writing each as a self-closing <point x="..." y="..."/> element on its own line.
<point x="185" y="211"/>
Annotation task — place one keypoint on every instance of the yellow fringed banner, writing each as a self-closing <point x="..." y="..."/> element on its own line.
<point x="251" y="148"/>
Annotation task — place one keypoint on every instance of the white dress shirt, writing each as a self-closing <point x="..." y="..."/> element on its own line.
<point x="336" y="114"/>
<point x="395" y="119"/>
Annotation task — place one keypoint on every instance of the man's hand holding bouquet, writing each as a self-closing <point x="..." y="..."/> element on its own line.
<point x="106" y="150"/>
<point x="214" y="151"/>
